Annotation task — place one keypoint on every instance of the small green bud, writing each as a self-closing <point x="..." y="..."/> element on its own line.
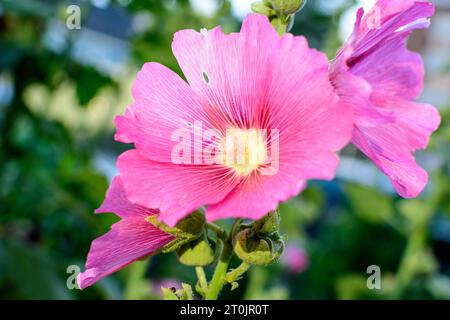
<point x="263" y="8"/>
<point x="257" y="250"/>
<point x="252" y="250"/>
<point x="199" y="252"/>
<point x="187" y="230"/>
<point x="287" y="7"/>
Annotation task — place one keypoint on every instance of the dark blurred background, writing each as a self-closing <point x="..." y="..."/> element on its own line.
<point x="60" y="89"/>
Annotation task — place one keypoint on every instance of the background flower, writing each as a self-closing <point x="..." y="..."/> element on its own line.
<point x="380" y="79"/>
<point x="295" y="259"/>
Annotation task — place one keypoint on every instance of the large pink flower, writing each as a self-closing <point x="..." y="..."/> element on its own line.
<point x="380" y="78"/>
<point x="130" y="239"/>
<point x="242" y="83"/>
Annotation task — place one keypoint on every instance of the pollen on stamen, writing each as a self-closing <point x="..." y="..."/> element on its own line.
<point x="243" y="150"/>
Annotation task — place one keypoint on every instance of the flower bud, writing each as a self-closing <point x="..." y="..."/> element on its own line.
<point x="288" y="7"/>
<point x="263" y="8"/>
<point x="256" y="250"/>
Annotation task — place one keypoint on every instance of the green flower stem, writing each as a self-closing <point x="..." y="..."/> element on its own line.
<point x="221" y="233"/>
<point x="136" y="287"/>
<point x="202" y="279"/>
<point x="406" y="272"/>
<point x="281" y="14"/>
<point x="218" y="279"/>
<point x="281" y="23"/>
<point x="257" y="279"/>
<point x="237" y="273"/>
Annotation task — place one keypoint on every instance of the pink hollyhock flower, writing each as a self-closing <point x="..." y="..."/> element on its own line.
<point x="243" y="83"/>
<point x="295" y="259"/>
<point x="130" y="239"/>
<point x="380" y="79"/>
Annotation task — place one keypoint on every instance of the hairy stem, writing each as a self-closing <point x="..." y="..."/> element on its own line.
<point x="202" y="279"/>
<point x="218" y="279"/>
<point x="237" y="273"/>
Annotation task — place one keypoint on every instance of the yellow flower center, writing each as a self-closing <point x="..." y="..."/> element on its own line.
<point x="243" y="150"/>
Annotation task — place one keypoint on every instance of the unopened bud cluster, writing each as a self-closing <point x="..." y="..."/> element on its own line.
<point x="280" y="12"/>
<point x="259" y="243"/>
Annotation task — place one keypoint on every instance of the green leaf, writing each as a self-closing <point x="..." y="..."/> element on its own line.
<point x="369" y="204"/>
<point x="34" y="273"/>
<point x="416" y="211"/>
<point x="88" y="83"/>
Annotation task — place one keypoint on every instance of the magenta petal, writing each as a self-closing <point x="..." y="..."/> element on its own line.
<point x="395" y="21"/>
<point x="408" y="178"/>
<point x="175" y="189"/>
<point x="401" y="75"/>
<point x="313" y="156"/>
<point x="389" y="146"/>
<point x="229" y="71"/>
<point x="301" y="101"/>
<point x="256" y="196"/>
<point x="117" y="202"/>
<point x="127" y="241"/>
<point x="379" y="78"/>
<point x="163" y="103"/>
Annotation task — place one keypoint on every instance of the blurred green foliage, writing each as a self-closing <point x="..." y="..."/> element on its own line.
<point x="59" y="120"/>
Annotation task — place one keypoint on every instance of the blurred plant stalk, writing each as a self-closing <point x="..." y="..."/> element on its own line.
<point x="417" y="258"/>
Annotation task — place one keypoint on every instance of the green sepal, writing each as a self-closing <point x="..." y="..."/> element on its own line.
<point x="283" y="23"/>
<point x="199" y="252"/>
<point x="257" y="250"/>
<point x="280" y="24"/>
<point x="252" y="250"/>
<point x="290" y="22"/>
<point x="287" y="7"/>
<point x="262" y="8"/>
<point x="267" y="225"/>
<point x="188" y="229"/>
